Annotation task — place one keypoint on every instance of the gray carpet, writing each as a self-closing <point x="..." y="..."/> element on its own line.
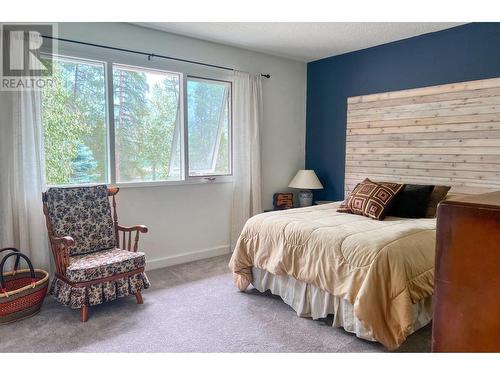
<point x="191" y="307"/>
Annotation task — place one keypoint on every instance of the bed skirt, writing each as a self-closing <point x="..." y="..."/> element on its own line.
<point x="312" y="302"/>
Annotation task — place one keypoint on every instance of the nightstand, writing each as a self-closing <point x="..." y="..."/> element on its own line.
<point x="322" y="202"/>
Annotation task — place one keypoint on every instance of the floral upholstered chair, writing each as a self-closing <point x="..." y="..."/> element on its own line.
<point x="92" y="266"/>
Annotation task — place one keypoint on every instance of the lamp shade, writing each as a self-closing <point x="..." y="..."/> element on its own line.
<point x="305" y="179"/>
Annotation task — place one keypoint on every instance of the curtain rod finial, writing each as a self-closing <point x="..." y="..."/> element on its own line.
<point x="266" y="75"/>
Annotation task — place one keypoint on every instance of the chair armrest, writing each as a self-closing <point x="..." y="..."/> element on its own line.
<point x="60" y="249"/>
<point x="65" y="241"/>
<point x="126" y="244"/>
<point x="140" y="228"/>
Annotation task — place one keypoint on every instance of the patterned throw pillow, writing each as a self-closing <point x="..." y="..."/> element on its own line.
<point x="371" y="199"/>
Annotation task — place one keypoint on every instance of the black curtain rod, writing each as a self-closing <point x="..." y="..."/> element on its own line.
<point x="149" y="55"/>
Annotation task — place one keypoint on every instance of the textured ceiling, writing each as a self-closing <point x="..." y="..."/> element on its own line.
<point x="304" y="41"/>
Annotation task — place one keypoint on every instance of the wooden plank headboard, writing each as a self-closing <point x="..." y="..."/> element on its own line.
<point x="446" y="135"/>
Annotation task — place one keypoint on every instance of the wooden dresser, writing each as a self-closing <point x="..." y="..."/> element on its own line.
<point x="467" y="281"/>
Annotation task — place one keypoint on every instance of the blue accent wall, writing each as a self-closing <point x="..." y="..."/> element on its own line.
<point x="462" y="53"/>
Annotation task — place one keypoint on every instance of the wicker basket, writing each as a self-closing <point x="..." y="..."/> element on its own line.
<point x="21" y="291"/>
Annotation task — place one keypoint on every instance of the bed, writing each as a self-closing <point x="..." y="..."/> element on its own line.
<point x="375" y="277"/>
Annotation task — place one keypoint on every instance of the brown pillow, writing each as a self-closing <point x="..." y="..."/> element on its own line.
<point x="437" y="195"/>
<point x="371" y="199"/>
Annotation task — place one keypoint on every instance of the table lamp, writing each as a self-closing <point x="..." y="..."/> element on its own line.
<point x="305" y="179"/>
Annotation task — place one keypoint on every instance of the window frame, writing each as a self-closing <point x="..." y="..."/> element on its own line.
<point x="185" y="70"/>
<point x="112" y="118"/>
<point x="108" y="170"/>
<point x="230" y="130"/>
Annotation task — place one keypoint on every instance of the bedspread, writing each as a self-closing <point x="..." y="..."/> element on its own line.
<point x="380" y="267"/>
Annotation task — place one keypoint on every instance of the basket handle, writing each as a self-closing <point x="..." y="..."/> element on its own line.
<point x="18" y="255"/>
<point x="16" y="265"/>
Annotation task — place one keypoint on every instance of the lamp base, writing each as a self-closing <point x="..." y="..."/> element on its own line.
<point x="305" y="198"/>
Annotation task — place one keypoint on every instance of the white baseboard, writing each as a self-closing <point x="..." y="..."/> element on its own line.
<point x="153" y="264"/>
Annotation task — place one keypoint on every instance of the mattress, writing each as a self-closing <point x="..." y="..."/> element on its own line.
<point x="381" y="268"/>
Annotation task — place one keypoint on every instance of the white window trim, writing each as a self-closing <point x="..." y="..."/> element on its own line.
<point x="230" y="131"/>
<point x="186" y="70"/>
<point x="192" y="181"/>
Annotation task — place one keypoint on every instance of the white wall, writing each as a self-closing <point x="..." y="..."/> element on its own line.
<point x="192" y="221"/>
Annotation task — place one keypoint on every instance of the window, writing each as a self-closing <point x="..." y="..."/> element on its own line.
<point x="74" y="123"/>
<point x="106" y="122"/>
<point x="147" y="136"/>
<point x="208" y="127"/>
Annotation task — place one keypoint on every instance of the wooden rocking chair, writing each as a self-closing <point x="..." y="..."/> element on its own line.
<point x="92" y="265"/>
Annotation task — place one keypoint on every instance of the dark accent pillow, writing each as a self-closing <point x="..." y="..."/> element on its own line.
<point x="371" y="199"/>
<point x="412" y="201"/>
<point x="437" y="195"/>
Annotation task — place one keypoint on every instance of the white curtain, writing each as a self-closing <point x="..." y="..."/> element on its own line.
<point x="21" y="179"/>
<point x="247" y="115"/>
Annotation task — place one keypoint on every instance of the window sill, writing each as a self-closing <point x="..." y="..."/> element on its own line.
<point x="190" y="181"/>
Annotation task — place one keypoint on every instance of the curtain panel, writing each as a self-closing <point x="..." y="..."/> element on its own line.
<point x="22" y="175"/>
<point x="247" y="119"/>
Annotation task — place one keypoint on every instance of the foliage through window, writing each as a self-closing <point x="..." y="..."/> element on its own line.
<point x="160" y="133"/>
<point x="74" y="122"/>
<point x="147" y="136"/>
<point x="208" y="127"/>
